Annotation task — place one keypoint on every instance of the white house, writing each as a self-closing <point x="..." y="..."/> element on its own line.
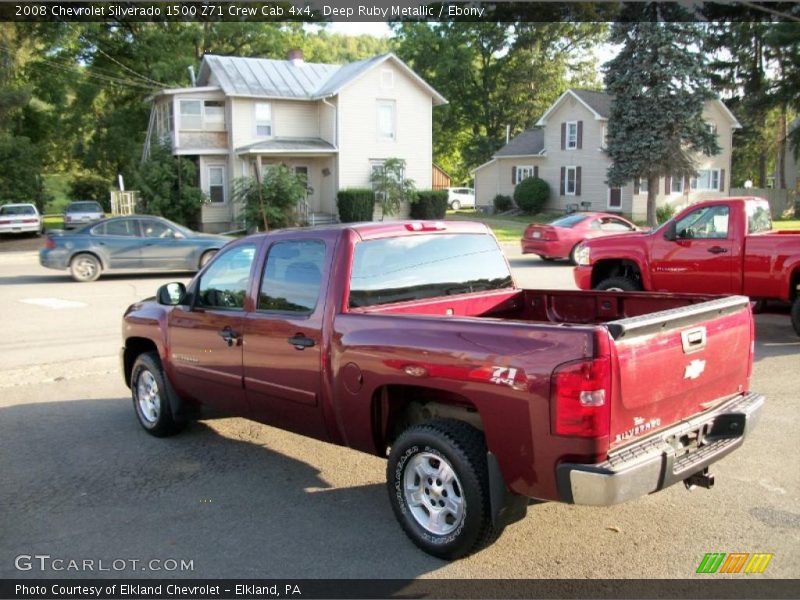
<point x="566" y="148"/>
<point x="332" y="123"/>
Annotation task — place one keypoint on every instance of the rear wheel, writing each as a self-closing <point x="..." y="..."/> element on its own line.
<point x="618" y="284"/>
<point x="438" y="484"/>
<point x="85" y="267"/>
<point x="455" y="205"/>
<point x="151" y="395"/>
<point x="796" y="315"/>
<point x="207" y="256"/>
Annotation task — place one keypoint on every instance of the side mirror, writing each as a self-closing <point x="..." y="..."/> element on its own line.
<point x="670" y="233"/>
<point x="171" y="294"/>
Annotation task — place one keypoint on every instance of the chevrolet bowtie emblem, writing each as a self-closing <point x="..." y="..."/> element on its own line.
<point x="694" y="369"/>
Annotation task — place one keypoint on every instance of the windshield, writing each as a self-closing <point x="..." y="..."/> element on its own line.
<point x="426" y="266"/>
<point x="84" y="207"/>
<point x="569" y="220"/>
<point x="17" y="210"/>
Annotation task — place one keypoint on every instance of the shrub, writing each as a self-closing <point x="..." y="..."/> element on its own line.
<point x="430" y="204"/>
<point x="355" y="205"/>
<point x="274" y="205"/>
<point x="91" y="187"/>
<point x="664" y="213"/>
<point x="502" y="203"/>
<point x="392" y="186"/>
<point x="531" y="195"/>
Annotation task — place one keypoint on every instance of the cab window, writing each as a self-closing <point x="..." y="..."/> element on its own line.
<point x="709" y="222"/>
<point x="224" y="283"/>
<point x="292" y="277"/>
<point x="157" y="229"/>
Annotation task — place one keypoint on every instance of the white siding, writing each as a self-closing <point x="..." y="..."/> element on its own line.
<point x="290" y="119"/>
<point x="486" y="183"/>
<point x="358" y="133"/>
<point x="327" y="121"/>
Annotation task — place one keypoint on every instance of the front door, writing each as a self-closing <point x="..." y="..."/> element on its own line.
<point x="164" y="247"/>
<point x="283" y="349"/>
<point x="120" y="241"/>
<point x="206" y="338"/>
<point x="700" y="259"/>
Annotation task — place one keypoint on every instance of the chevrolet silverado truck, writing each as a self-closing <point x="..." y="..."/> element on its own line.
<point x="716" y="247"/>
<point x="410" y="341"/>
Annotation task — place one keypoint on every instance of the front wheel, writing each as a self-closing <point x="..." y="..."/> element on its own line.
<point x="151" y="396"/>
<point x="618" y="284"/>
<point x="796" y="315"/>
<point x="438" y="484"/>
<point x="85" y="267"/>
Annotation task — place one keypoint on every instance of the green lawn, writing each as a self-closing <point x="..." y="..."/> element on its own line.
<point x="795" y="224"/>
<point x="506" y="228"/>
<point x="53" y="222"/>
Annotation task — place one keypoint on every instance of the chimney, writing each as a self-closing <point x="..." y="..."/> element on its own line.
<point x="296" y="57"/>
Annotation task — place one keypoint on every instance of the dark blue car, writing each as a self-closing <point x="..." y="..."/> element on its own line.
<point x="135" y="242"/>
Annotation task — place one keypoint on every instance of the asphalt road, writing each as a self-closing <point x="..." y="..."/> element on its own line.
<point x="80" y="480"/>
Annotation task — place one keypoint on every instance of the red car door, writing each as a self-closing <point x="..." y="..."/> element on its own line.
<point x="283" y="355"/>
<point x="206" y="337"/>
<point x="700" y="258"/>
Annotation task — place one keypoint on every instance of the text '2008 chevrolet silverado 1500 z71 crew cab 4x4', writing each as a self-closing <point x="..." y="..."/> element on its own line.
<point x="722" y="246"/>
<point x="410" y="340"/>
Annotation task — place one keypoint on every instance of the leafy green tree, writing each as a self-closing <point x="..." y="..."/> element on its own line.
<point x="391" y="186"/>
<point x="659" y="85"/>
<point x="20" y="177"/>
<point x="88" y="186"/>
<point x="271" y="203"/>
<point x="168" y="187"/>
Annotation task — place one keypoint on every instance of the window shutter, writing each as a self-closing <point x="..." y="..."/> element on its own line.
<point x="722" y="180"/>
<point x="514" y="175"/>
<point x="577" y="181"/>
<point x="563" y="136"/>
<point x="536" y="171"/>
<point x="667" y="185"/>
<point x="563" y="177"/>
<point x="636" y="186"/>
<point x="580" y="135"/>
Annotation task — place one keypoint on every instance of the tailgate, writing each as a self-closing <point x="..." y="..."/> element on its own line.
<point x="677" y="363"/>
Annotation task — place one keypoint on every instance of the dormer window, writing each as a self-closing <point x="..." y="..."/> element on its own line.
<point x="263" y="119"/>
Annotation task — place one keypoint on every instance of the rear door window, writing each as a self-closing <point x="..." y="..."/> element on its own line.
<point x="125" y="228"/>
<point x="292" y="277"/>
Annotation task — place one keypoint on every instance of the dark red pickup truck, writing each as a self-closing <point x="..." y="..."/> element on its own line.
<point x="410" y="341"/>
<point x="715" y="247"/>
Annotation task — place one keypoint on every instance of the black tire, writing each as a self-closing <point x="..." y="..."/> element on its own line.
<point x="85" y="267"/>
<point x="455" y="205"/>
<point x="796" y="315"/>
<point x="205" y="257"/>
<point x="437" y="446"/>
<point x="617" y="284"/>
<point x="153" y="397"/>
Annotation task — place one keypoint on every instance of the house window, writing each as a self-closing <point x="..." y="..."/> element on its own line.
<point x="706" y="180"/>
<point x="191" y="114"/>
<point x="386" y="120"/>
<point x="642" y="184"/>
<point x="572" y="135"/>
<point x="263" y="119"/>
<point x="712" y="127"/>
<point x="522" y="172"/>
<point x="570" y="180"/>
<point x="614" y="198"/>
<point x="375" y="170"/>
<point x="216" y="184"/>
<point x="387" y="79"/>
<point x="214" y="112"/>
<point x="676" y="185"/>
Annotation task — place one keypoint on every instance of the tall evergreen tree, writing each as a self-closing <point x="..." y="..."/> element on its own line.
<point x="659" y="85"/>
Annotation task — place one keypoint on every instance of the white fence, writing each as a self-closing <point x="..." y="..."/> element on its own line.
<point x="124" y="203"/>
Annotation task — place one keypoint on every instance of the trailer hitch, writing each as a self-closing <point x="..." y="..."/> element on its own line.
<point x="702" y="479"/>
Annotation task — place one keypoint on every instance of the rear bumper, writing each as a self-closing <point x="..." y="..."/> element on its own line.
<point x="548" y="248"/>
<point x="53" y="259"/>
<point x="653" y="463"/>
<point x="21" y="228"/>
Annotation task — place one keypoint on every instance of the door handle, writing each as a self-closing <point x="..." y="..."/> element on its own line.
<point x="717" y="250"/>
<point x="230" y="336"/>
<point x="300" y="342"/>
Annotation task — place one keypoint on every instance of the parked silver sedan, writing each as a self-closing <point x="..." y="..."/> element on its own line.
<point x="138" y="242"/>
<point x="82" y="212"/>
<point x="20" y="218"/>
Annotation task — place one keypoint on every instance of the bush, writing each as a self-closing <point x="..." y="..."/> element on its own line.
<point x="91" y="187"/>
<point x="355" y="205"/>
<point x="274" y="206"/>
<point x="664" y="213"/>
<point x="392" y="186"/>
<point x="430" y="204"/>
<point x="531" y="195"/>
<point x="502" y="203"/>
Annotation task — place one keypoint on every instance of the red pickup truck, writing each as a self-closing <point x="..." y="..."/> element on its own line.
<point x="411" y="341"/>
<point x="715" y="247"/>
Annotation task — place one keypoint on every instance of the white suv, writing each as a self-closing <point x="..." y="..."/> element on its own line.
<point x="460" y="198"/>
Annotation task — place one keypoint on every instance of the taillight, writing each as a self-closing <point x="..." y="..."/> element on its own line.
<point x="580" y="398"/>
<point x="549" y="235"/>
<point x="30" y="220"/>
<point x="49" y="244"/>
